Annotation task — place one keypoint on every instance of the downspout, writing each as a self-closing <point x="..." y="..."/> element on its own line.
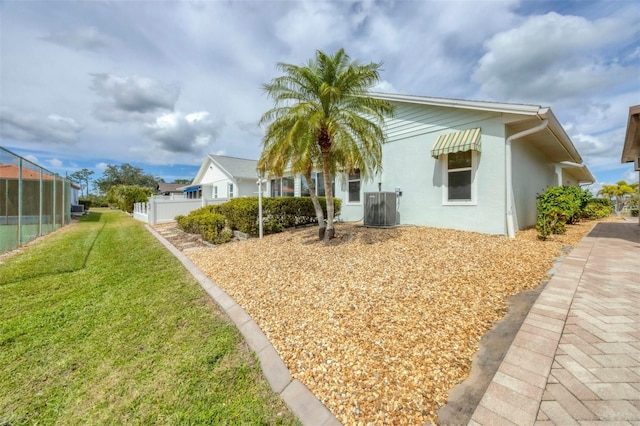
<point x="509" y="174"/>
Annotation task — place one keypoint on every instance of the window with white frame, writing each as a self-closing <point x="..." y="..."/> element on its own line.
<point x="459" y="178"/>
<point x="304" y="187"/>
<point x="230" y="192"/>
<point x="354" y="186"/>
<point x="215" y="192"/>
<point x="319" y="180"/>
<point x="288" y="186"/>
<point x="276" y="188"/>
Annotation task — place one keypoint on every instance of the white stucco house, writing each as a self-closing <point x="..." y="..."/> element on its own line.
<point x="468" y="165"/>
<point x="222" y="178"/>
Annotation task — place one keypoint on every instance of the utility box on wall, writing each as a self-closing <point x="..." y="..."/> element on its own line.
<point x="380" y="208"/>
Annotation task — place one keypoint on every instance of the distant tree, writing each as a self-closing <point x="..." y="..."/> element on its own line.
<point x="124" y="174"/>
<point x="81" y="177"/>
<point x="125" y="196"/>
<point x="622" y="191"/>
<point x="182" y="181"/>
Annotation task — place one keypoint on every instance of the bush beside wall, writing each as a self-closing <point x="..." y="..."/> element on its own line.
<point x="241" y="214"/>
<point x="560" y="205"/>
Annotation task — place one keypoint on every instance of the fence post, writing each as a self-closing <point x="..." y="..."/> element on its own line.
<point x="20" y="201"/>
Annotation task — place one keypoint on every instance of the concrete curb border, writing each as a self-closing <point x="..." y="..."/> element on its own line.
<point x="308" y="408"/>
<point x="515" y="392"/>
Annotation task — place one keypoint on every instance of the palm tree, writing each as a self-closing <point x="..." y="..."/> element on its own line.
<point x="326" y="104"/>
<point x="299" y="156"/>
<point x="622" y="191"/>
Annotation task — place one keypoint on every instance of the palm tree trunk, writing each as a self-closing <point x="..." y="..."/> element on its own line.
<point x="316" y="205"/>
<point x="326" y="174"/>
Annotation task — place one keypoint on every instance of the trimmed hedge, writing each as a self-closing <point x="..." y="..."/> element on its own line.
<point x="241" y="214"/>
<point x="210" y="225"/>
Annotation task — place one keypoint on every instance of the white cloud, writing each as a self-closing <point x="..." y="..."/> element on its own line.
<point x="133" y="97"/>
<point x="310" y="25"/>
<point x="54" y="162"/>
<point x="102" y="166"/>
<point x="384" y="87"/>
<point x="29" y="127"/>
<point x="184" y="133"/>
<point x="32" y="158"/>
<point x="630" y="176"/>
<point x="552" y="56"/>
<point x="83" y="38"/>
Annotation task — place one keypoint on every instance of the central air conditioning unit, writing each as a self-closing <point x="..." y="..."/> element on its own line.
<point x="380" y="208"/>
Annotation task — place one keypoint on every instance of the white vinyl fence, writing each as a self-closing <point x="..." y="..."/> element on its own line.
<point x="165" y="209"/>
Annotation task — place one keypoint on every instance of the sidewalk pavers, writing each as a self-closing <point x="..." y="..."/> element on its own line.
<point x="576" y="358"/>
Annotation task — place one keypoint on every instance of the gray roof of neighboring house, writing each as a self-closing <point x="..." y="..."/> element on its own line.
<point x="236" y="167"/>
<point x="170" y="187"/>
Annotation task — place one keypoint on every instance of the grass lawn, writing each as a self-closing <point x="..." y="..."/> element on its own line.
<point x="99" y="324"/>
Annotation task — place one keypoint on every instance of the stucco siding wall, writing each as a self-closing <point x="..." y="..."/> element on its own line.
<point x="532" y="174"/>
<point x="408" y="165"/>
<point x="247" y="188"/>
<point x="568" y="179"/>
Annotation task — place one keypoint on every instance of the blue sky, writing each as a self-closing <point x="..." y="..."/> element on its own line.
<point x="159" y="84"/>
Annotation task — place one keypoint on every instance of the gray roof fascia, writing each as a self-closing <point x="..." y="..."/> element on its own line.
<point x="561" y="135"/>
<point x="460" y="103"/>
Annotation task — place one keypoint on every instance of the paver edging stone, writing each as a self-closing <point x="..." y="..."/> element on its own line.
<point x="309" y="409"/>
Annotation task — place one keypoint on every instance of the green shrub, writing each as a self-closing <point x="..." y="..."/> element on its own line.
<point x="552" y="221"/>
<point x="241" y="214"/>
<point x="602" y="201"/>
<point x="595" y="210"/>
<point x="85" y="203"/>
<point x="212" y="227"/>
<point x="125" y="196"/>
<point x="557" y="206"/>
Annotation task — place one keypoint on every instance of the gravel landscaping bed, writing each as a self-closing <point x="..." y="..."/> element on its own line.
<point x="380" y="324"/>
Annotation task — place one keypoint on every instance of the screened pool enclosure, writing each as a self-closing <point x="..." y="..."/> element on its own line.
<point x="33" y="201"/>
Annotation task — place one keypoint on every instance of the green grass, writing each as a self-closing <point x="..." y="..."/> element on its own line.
<point x="99" y="324"/>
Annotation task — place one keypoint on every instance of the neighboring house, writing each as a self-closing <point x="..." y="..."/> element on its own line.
<point x="169" y="189"/>
<point x="468" y="165"/>
<point x="631" y="148"/>
<point x="222" y="178"/>
<point x="76" y="193"/>
<point x="13" y="171"/>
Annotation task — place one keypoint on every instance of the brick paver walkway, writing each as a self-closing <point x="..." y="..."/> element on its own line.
<point x="576" y="358"/>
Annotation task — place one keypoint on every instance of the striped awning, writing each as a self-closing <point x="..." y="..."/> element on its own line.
<point x="466" y="140"/>
<point x="192" y="188"/>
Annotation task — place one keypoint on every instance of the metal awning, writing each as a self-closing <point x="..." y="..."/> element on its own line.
<point x="193" y="188"/>
<point x="465" y="140"/>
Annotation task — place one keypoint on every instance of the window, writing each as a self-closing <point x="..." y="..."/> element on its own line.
<point x="320" y="185"/>
<point x="459" y="177"/>
<point x="354" y="186"/>
<point x="230" y="190"/>
<point x="304" y="187"/>
<point x="288" y="186"/>
<point x="215" y="192"/>
<point x="276" y="187"/>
